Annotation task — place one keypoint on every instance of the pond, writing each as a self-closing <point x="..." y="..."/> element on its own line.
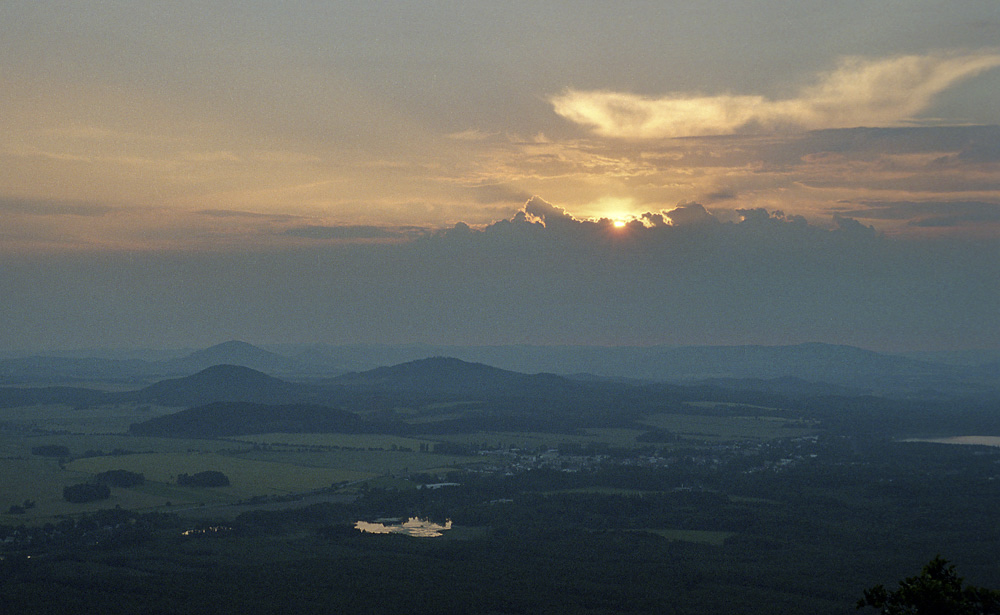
<point x="976" y="440"/>
<point x="414" y="526"/>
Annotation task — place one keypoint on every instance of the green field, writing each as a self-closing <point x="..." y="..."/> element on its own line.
<point x="41" y="480"/>
<point x="700" y="427"/>
<point x="507" y="439"/>
<point x="602" y="491"/>
<point x="526" y="440"/>
<point x="374" y="462"/>
<point x="687" y="426"/>
<point x="288" y="464"/>
<point x="334" y="440"/>
<point x="36" y="479"/>
<point x="248" y="477"/>
<point x="271" y="463"/>
<point x="80" y="444"/>
<point x="89" y="419"/>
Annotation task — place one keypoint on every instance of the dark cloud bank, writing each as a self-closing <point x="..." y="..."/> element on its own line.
<point x="541" y="277"/>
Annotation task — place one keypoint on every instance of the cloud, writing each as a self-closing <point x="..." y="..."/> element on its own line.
<point x="471" y="134"/>
<point x="984" y="150"/>
<point x="343" y="232"/>
<point x="547" y="213"/>
<point x="690" y="213"/>
<point x="850" y="225"/>
<point x="36" y="207"/>
<point x="759" y="217"/>
<point x="722" y="194"/>
<point x="931" y="213"/>
<point x="247" y="215"/>
<point x="859" y="92"/>
<point x="540" y="276"/>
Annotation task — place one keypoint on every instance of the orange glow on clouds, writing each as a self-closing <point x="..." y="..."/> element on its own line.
<point x="859" y="92"/>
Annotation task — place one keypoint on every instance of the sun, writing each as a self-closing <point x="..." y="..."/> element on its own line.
<point x="619" y="223"/>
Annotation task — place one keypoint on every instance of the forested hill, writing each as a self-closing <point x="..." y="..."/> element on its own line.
<point x="450" y="376"/>
<point x="222" y="383"/>
<point x="440" y="395"/>
<point x="437" y="378"/>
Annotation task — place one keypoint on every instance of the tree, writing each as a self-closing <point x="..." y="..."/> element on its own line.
<point x="208" y="478"/>
<point x="938" y="590"/>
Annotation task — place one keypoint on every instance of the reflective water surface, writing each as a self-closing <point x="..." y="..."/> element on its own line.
<point x="977" y="440"/>
<point x="414" y="526"/>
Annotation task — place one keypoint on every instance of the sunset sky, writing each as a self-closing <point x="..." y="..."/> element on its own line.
<point x="717" y="172"/>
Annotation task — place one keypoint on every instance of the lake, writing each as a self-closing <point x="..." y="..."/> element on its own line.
<point x="976" y="440"/>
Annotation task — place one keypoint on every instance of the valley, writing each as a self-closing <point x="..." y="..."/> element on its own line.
<point x="585" y="494"/>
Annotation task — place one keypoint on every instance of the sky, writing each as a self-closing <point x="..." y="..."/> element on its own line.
<point x="585" y="173"/>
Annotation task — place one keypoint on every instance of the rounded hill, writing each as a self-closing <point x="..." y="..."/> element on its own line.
<point x="220" y="383"/>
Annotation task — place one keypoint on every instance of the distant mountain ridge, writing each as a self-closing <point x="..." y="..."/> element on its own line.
<point x="449" y="375"/>
<point x="432" y="395"/>
<point x="438" y="376"/>
<point x="812" y="361"/>
<point x="849" y="367"/>
<point x="435" y="376"/>
<point x="235" y="353"/>
<point x="852" y="368"/>
<point x="450" y="395"/>
<point x="44" y="369"/>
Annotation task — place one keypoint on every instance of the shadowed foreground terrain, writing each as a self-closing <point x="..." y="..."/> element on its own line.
<point x="564" y="495"/>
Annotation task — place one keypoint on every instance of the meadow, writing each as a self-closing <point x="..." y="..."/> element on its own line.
<point x="273" y="464"/>
<point x="697" y="510"/>
<point x="738" y="428"/>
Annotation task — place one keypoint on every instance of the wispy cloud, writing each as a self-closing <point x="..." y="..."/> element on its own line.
<point x="859" y="92"/>
<point x="930" y="213"/>
<point x="472" y="134"/>
<point x="352" y="232"/>
<point x="34" y="207"/>
<point x="249" y="215"/>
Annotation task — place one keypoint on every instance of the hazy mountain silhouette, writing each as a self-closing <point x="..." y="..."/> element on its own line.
<point x="845" y="366"/>
<point x="227" y="398"/>
<point x="813" y="361"/>
<point x="234" y="353"/>
<point x="416" y="379"/>
<point x="448" y="395"/>
<point x="452" y="376"/>
<point x="498" y="399"/>
<point x="221" y="383"/>
<point x="59" y="369"/>
<point x="859" y="370"/>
